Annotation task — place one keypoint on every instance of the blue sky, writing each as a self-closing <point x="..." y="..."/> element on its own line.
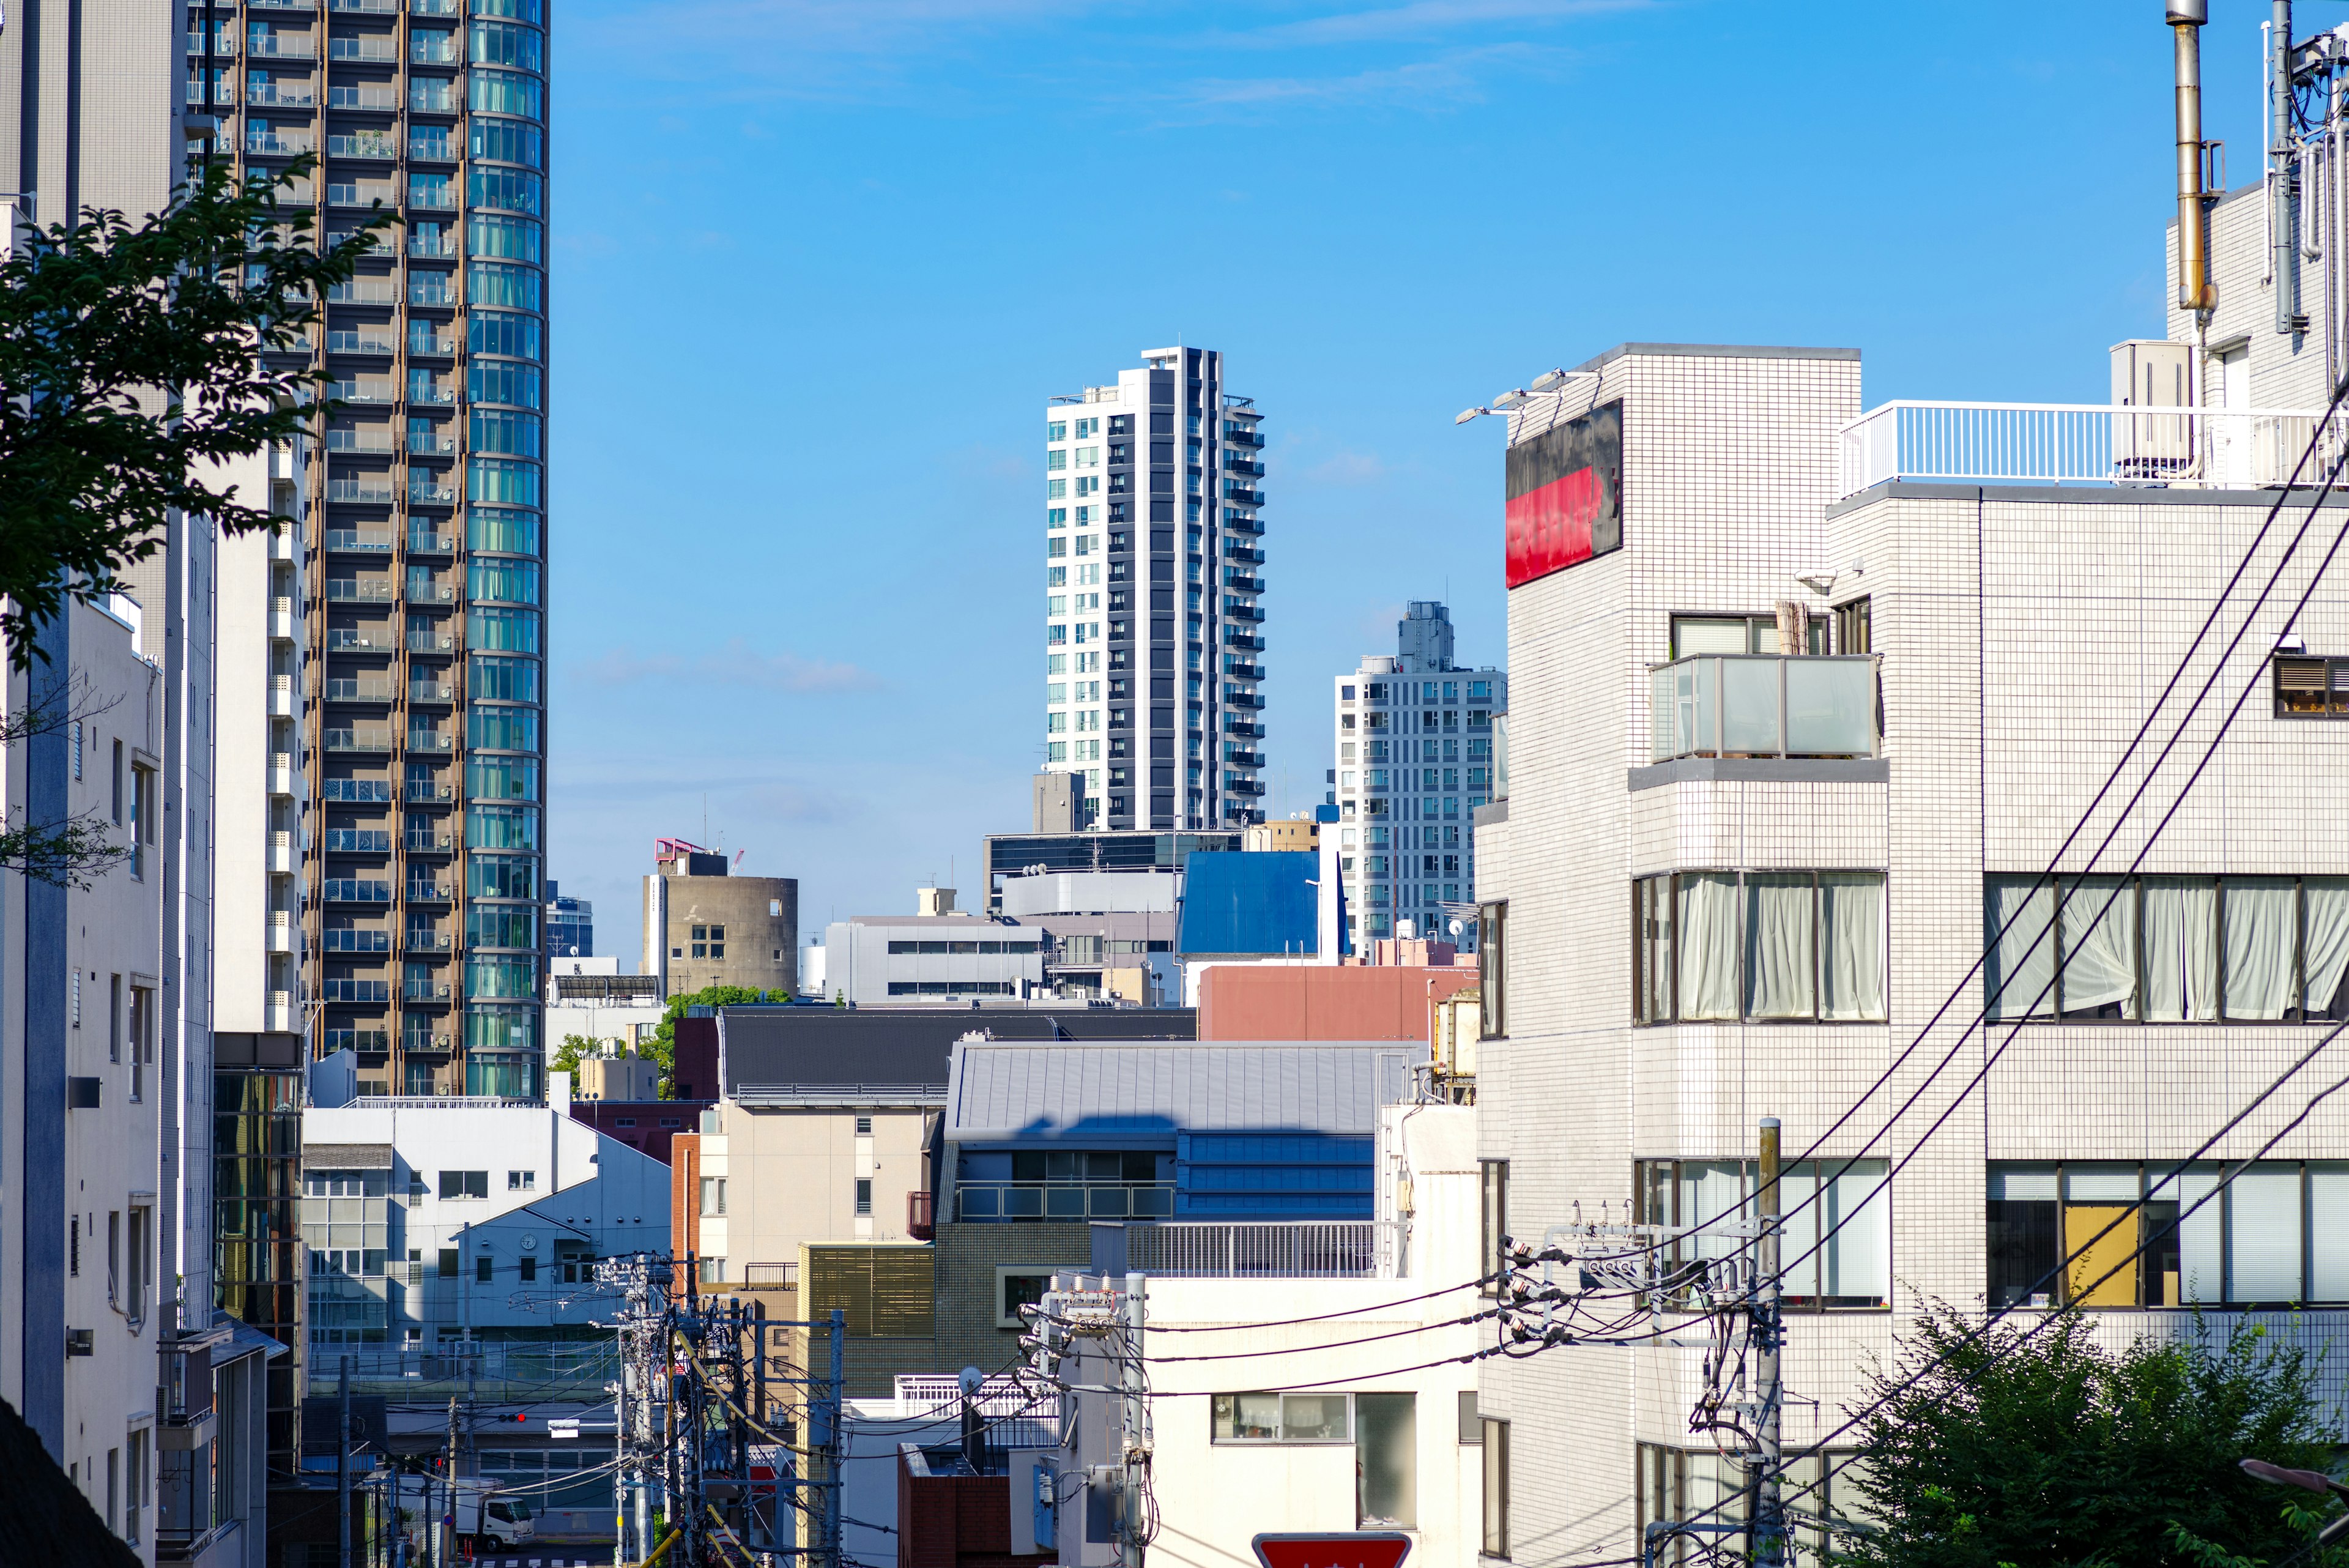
<point x="820" y="262"/>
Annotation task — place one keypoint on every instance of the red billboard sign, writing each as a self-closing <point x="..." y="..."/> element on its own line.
<point x="1336" y="1549"/>
<point x="1566" y="496"/>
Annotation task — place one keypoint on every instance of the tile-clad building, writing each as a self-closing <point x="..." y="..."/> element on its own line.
<point x="1782" y="756"/>
<point x="1153" y="634"/>
<point x="427" y="621"/>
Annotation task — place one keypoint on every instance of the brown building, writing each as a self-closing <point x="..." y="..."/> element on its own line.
<point x="706" y="927"/>
<point x="650" y="1125"/>
<point x="1310" y="1002"/>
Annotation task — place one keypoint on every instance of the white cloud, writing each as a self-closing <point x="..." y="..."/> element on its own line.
<point x="1425" y="18"/>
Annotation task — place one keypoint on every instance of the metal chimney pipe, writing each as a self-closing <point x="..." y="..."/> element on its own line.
<point x="2194" y="290"/>
<point x="2285" y="256"/>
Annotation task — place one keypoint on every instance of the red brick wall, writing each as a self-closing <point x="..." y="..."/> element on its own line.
<point x="958" y="1521"/>
<point x="684" y="1198"/>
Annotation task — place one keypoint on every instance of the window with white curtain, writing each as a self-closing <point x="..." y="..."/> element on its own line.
<point x="1835" y="1237"/>
<point x="2108" y="1233"/>
<point x="1766" y="946"/>
<point x="2167" y="949"/>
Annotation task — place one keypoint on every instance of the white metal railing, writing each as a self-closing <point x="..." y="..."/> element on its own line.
<point x="928" y="1394"/>
<point x="2083" y="443"/>
<point x="1294" y="1248"/>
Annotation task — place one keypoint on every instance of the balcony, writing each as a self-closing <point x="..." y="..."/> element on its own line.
<point x="376" y="439"/>
<point x="362" y="343"/>
<point x="1248" y="699"/>
<point x="440" y="642"/>
<point x="281" y="697"/>
<point x="528" y="1374"/>
<point x="278" y="935"/>
<point x="355" y="941"/>
<point x="424" y="542"/>
<point x="357" y="542"/>
<point x="376" y="50"/>
<point x="432" y="7"/>
<point x="343" y="689"/>
<point x="281" y="47"/>
<point x="1244" y="730"/>
<point x="2079" y="443"/>
<point x="1238" y="758"/>
<point x="433" y="288"/>
<point x="1243" y="786"/>
<point x="428" y="892"/>
<point x="362" y="146"/>
<point x="426" y="740"/>
<point x="433" y="49"/>
<point x="433" y="96"/>
<point x="357" y="890"/>
<point x="1247" y="641"/>
<point x="1246" y="553"/>
<point x="1763" y="705"/>
<point x="428" y="393"/>
<point x="1242" y="612"/>
<point x="1240" y="436"/>
<point x="432" y="443"/>
<point x="365" y="1042"/>
<point x="356" y="991"/>
<point x="1239" y="671"/>
<point x="427" y="494"/>
<point x="284" y="778"/>
<point x="281" y="5"/>
<point x="357" y="591"/>
<point x="427" y="246"/>
<point x="426" y="792"/>
<point x="1233" y="463"/>
<point x="280" y="95"/>
<point x="223" y="94"/>
<point x="1295" y="1250"/>
<point x="432" y="198"/>
<point x="424" y="940"/>
<point x="359" y="841"/>
<point x="426" y="841"/>
<point x="440" y="345"/>
<point x="349" y="639"/>
<point x="1242" y="496"/>
<point x="277" y="143"/>
<point x="366" y="792"/>
<point x="361" y="391"/>
<point x="364" y="291"/>
<point x="359" y="740"/>
<point x="357" y="95"/>
<point x="424" y="991"/>
<point x="1234" y="523"/>
<point x="424" y="591"/>
<point x="998" y="1201"/>
<point x="443" y="692"/>
<point x="280" y="859"/>
<point x="360" y="492"/>
<point x="367" y="8"/>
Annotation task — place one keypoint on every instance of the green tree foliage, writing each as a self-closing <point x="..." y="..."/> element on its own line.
<point x="574" y="1049"/>
<point x="2013" y="1452"/>
<point x="662" y="1047"/>
<point x="131" y="357"/>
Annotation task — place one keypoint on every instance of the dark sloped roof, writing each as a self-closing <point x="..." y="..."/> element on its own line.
<point x="803" y="1048"/>
<point x="1105" y="1096"/>
<point x="1240" y="902"/>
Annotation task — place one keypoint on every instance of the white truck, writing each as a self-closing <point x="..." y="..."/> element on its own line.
<point x="485" y="1520"/>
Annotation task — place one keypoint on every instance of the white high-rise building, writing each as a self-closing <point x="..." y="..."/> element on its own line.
<point x="1154" y="631"/>
<point x="1414" y="745"/>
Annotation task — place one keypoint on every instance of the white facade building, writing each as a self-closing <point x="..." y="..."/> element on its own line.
<point x="1153" y="631"/>
<point x="1413" y="739"/>
<point x="931" y="959"/>
<point x="1793" y="730"/>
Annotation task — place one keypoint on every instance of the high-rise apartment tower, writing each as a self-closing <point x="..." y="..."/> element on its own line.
<point x="1414" y="743"/>
<point x="1154" y="633"/>
<point x="422" y="946"/>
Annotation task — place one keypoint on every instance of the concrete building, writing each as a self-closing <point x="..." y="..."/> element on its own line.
<point x="1889" y="766"/>
<point x="1010" y="855"/>
<point x="922" y="959"/>
<point x="589" y="997"/>
<point x="704" y="927"/>
<point x="1153" y="621"/>
<point x="1413" y="736"/>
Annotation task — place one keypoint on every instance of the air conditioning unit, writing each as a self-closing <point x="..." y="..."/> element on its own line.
<point x="444" y="993"/>
<point x="448" y="643"/>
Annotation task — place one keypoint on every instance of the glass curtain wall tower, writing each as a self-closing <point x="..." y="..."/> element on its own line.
<point x="421" y="941"/>
<point x="1153" y="633"/>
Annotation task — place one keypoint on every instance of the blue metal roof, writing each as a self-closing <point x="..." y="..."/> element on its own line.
<point x="1142" y="1096"/>
<point x="1238" y="902"/>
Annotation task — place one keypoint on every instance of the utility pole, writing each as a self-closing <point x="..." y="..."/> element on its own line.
<point x="1769" y="1514"/>
<point x="343" y="1467"/>
<point x="831" y="1454"/>
<point x="447" y="1553"/>
<point x="1134" y="1428"/>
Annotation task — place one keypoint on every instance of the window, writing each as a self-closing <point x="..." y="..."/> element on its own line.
<point x="448" y="1263"/>
<point x="1837" y="1236"/>
<point x="114" y="1018"/>
<point x="142" y="817"/>
<point x="864" y="1195"/>
<point x="1386" y="1462"/>
<point x="2167" y="949"/>
<point x="484" y="1269"/>
<point x="464" y="1184"/>
<point x="529" y="1267"/>
<point x="1758" y="945"/>
<point x="77" y="750"/>
<point x="135" y="1264"/>
<point x="2305" y="689"/>
<point x="1739" y="634"/>
<point x="865" y="1126"/>
<point x="1056" y="430"/>
<point x="522" y="1181"/>
<point x="1492" y="1205"/>
<point x="713" y="1195"/>
<point x="1316" y="1417"/>
<point x="1853" y="633"/>
<point x="2124" y="1234"/>
<point x="713" y="1271"/>
<point x="1016" y="1288"/>
<point x="118" y="784"/>
<point x="1496" y="1489"/>
<point x="1492" y="967"/>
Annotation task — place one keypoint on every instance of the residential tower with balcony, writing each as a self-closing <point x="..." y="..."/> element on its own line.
<point x="1153" y="623"/>
<point x="422" y="949"/>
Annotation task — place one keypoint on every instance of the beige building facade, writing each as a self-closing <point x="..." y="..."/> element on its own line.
<point x="704" y="927"/>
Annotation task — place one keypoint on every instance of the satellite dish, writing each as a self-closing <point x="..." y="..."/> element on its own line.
<point x="1457" y="927"/>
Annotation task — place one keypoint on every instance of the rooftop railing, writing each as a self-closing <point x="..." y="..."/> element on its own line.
<point x="1062" y="1199"/>
<point x="1294" y="1248"/>
<point x="2082" y="443"/>
<point x="1764" y="705"/>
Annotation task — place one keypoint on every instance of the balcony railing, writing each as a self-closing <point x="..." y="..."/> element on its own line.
<point x="357" y="392"/>
<point x="277" y="144"/>
<point x="1296" y="1250"/>
<point x="280" y="95"/>
<point x="431" y="394"/>
<point x="426" y="692"/>
<point x="361" y="146"/>
<point x="355" y="95"/>
<point x="2083" y="443"/>
<point x="430" y="288"/>
<point x="345" y="691"/>
<point x="1763" y="705"/>
<point x="431" y="49"/>
<point x="377" y="50"/>
<point x="504" y="1372"/>
<point x="342" y="639"/>
<point x="352" y="591"/>
<point x="771" y="1275"/>
<point x="432" y="98"/>
<point x="361" y="491"/>
<point x="425" y="792"/>
<point x="359" y="740"/>
<point x="365" y="291"/>
<point x="1063" y="1201"/>
<point x="343" y="890"/>
<point x="442" y="345"/>
<point x="359" y="841"/>
<point x="354" y="541"/>
<point x="361" y="342"/>
<point x="428" y="892"/>
<point x="431" y="198"/>
<point x="281" y="47"/>
<point x="425" y="245"/>
<point x="423" y="542"/>
<point x="351" y="941"/>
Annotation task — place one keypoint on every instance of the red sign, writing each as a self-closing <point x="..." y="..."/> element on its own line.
<point x="1336" y="1549"/>
<point x="1565" y="499"/>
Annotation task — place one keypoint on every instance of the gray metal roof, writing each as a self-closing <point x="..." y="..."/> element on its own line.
<point x="1108" y="1097"/>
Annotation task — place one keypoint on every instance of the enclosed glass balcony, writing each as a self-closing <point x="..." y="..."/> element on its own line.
<point x="1764" y="705"/>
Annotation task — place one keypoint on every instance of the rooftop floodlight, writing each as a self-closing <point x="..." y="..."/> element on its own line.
<point x="1467" y="414"/>
<point x="1548" y="379"/>
<point x="1510" y="399"/>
